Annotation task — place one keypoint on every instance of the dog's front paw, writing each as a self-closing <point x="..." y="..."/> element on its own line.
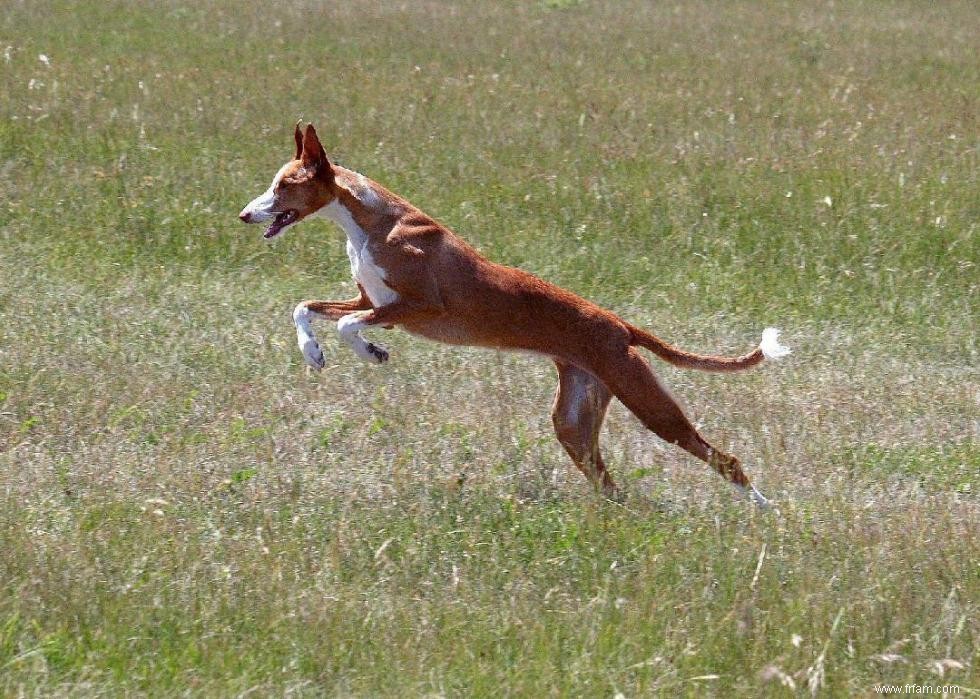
<point x="377" y="353"/>
<point x="313" y="354"/>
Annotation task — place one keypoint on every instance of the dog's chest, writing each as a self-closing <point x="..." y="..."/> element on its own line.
<point x="363" y="268"/>
<point x="367" y="273"/>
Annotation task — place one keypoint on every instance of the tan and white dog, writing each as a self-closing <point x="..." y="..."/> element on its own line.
<point x="413" y="272"/>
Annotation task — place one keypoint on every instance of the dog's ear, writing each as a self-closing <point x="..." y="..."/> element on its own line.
<point x="313" y="156"/>
<point x="298" y="137"/>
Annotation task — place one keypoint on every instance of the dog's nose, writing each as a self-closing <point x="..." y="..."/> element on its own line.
<point x="245" y="216"/>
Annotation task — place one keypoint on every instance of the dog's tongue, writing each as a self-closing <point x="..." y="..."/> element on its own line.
<point x="280" y="222"/>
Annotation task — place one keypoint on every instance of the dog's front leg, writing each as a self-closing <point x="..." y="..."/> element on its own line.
<point x="306" y="311"/>
<point x="350" y="327"/>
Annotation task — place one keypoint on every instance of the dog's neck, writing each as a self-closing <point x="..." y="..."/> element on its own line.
<point x="360" y="207"/>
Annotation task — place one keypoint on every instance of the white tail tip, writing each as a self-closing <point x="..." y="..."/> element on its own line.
<point x="771" y="349"/>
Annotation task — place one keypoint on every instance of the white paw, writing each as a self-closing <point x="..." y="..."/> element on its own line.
<point x="306" y="339"/>
<point x="379" y="353"/>
<point x="761" y="501"/>
<point x="370" y="352"/>
<point x="312" y="353"/>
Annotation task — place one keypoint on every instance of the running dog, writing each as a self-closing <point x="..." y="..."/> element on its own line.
<point x="415" y="273"/>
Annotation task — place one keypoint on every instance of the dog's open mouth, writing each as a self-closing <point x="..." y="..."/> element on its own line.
<point x="282" y="220"/>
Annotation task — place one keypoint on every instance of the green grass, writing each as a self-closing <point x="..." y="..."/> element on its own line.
<point x="184" y="509"/>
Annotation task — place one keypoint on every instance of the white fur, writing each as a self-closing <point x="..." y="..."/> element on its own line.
<point x="771" y="349"/>
<point x="262" y="208"/>
<point x="758" y="498"/>
<point x="362" y="265"/>
<point x="365" y="193"/>
<point x="306" y="338"/>
<point x="350" y="327"/>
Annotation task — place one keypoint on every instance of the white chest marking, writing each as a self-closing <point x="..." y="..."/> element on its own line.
<point x="362" y="265"/>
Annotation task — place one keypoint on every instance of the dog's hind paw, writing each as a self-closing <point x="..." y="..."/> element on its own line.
<point x="763" y="503"/>
<point x="760" y="500"/>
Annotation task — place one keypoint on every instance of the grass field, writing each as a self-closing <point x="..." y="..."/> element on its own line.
<point x="185" y="509"/>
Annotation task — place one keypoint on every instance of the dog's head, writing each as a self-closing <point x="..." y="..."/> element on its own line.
<point x="303" y="186"/>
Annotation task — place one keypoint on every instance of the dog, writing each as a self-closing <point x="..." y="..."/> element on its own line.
<point x="415" y="273"/>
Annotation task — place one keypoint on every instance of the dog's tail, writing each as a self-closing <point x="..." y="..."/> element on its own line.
<point x="769" y="348"/>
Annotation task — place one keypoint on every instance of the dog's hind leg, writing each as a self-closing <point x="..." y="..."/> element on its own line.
<point x="632" y="380"/>
<point x="579" y="409"/>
